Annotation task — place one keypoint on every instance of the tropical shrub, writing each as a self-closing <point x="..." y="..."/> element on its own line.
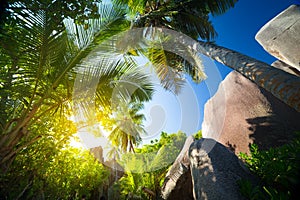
<point x="278" y="169"/>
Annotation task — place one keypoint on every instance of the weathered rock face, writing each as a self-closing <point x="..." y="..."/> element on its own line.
<point x="215" y="171"/>
<point x="178" y="181"/>
<point x="281" y="38"/>
<point x="285" y="67"/>
<point x="241" y="113"/>
<point x="98" y="153"/>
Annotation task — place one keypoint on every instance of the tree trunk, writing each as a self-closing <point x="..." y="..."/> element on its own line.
<point x="281" y="84"/>
<point x="10" y="139"/>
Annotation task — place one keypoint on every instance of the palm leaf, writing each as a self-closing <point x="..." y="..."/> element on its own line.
<point x="170" y="59"/>
<point x="195" y="26"/>
<point x="218" y="7"/>
<point x="25" y="41"/>
<point x="113" y="81"/>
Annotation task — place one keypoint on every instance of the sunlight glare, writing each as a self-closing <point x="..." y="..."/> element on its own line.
<point x="76" y="143"/>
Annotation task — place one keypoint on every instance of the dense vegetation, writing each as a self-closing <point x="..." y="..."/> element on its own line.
<point x="51" y="169"/>
<point x="146" y="169"/>
<point x="278" y="170"/>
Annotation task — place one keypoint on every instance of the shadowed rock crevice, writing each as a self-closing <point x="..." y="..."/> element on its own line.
<point x="183" y="189"/>
<point x="178" y="181"/>
<point x="281" y="133"/>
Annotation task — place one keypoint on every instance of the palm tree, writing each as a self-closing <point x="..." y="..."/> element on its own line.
<point x="189" y="17"/>
<point x="39" y="60"/>
<point x="173" y="15"/>
<point x="128" y="126"/>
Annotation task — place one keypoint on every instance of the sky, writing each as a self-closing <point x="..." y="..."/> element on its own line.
<point x="236" y="30"/>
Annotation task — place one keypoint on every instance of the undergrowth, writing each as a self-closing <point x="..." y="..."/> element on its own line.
<point x="278" y="170"/>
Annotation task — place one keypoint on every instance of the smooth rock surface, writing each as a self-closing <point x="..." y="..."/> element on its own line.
<point x="215" y="171"/>
<point x="241" y="113"/>
<point x="280" y="36"/>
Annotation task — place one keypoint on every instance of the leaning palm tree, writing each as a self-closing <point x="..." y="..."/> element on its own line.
<point x="191" y="17"/>
<point x="39" y="60"/>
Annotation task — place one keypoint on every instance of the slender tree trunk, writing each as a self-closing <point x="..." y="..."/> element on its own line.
<point x="10" y="139"/>
<point x="24" y="190"/>
<point x="131" y="148"/>
<point x="281" y="84"/>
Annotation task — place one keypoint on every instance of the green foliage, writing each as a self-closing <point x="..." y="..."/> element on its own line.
<point x="147" y="168"/>
<point x="198" y="135"/>
<point x="248" y="190"/>
<point x="80" y="10"/>
<point x="152" y="157"/>
<point x="189" y="17"/>
<point x="37" y="70"/>
<point x="126" y="126"/>
<point x="73" y="171"/>
<point x="50" y="168"/>
<point x="278" y="169"/>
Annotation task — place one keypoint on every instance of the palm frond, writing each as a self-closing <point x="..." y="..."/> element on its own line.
<point x="171" y="60"/>
<point x="217" y="7"/>
<point x="133" y="6"/>
<point x="110" y="82"/>
<point x="39" y="58"/>
<point x="84" y="40"/>
<point x="194" y="25"/>
<point x="81" y="41"/>
<point x="25" y="41"/>
<point x="119" y="138"/>
<point x="170" y="78"/>
<point x="128" y="126"/>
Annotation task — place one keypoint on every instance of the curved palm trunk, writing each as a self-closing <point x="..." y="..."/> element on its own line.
<point x="281" y="84"/>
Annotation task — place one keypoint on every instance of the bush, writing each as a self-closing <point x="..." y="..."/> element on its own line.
<point x="278" y="169"/>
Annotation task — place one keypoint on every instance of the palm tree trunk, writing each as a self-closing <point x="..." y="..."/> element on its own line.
<point x="131" y="147"/>
<point x="281" y="84"/>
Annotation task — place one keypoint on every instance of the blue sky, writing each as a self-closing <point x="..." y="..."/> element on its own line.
<point x="236" y="30"/>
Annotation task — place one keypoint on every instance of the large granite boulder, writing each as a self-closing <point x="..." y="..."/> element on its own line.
<point x="241" y="113"/>
<point x="215" y="171"/>
<point x="280" y="36"/>
<point x="178" y="181"/>
<point x="285" y="67"/>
